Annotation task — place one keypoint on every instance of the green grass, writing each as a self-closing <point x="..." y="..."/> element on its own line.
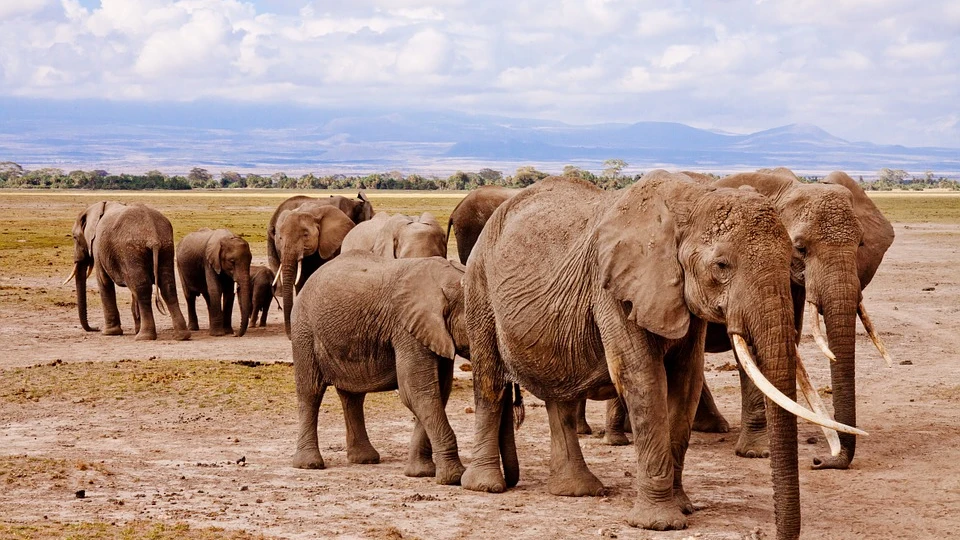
<point x="147" y="530"/>
<point x="918" y="207"/>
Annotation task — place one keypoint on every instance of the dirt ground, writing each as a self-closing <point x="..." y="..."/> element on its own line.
<point x="166" y="453"/>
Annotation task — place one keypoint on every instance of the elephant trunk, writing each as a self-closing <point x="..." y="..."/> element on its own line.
<point x="80" y="280"/>
<point x="837" y="295"/>
<point x="245" y="298"/>
<point x="288" y="273"/>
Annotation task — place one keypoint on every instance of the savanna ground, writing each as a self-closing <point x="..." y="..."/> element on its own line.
<point x="193" y="439"/>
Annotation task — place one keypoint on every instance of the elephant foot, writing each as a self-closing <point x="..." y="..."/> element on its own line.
<point x="181" y="335"/>
<point x="575" y="483"/>
<point x="583" y="428"/>
<point x="664" y="516"/>
<point x="146" y="335"/>
<point x="194" y="326"/>
<point x="217" y="332"/>
<point x="449" y="473"/>
<point x="308" y="459"/>
<point x="113" y="331"/>
<point x="420" y="468"/>
<point x="710" y="424"/>
<point x="614" y="438"/>
<point x="364" y="455"/>
<point x="683" y="502"/>
<point x="753" y="444"/>
<point x="840" y="462"/>
<point x="489" y="480"/>
<point x="229" y="332"/>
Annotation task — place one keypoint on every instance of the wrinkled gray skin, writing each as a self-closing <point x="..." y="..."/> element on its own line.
<point x="264" y="293"/>
<point x="131" y="246"/>
<point x="309" y="236"/>
<point x="398" y="237"/>
<point x="358" y="210"/>
<point x="839" y="239"/>
<point x="569" y="285"/>
<point x="471" y="214"/>
<point x="211" y="262"/>
<point x="369" y="324"/>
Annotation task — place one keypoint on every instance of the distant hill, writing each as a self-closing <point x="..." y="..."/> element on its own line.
<point x="174" y="137"/>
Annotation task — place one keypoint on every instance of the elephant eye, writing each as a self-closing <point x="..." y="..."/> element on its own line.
<point x="801" y="250"/>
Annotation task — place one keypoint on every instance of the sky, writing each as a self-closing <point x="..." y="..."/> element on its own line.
<point x="886" y="71"/>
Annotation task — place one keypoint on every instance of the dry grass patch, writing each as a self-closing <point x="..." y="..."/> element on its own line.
<point x="26" y="471"/>
<point x="112" y="531"/>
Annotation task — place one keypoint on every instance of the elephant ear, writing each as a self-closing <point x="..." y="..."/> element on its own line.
<point x="332" y="226"/>
<point x="86" y="225"/>
<point x="419" y="297"/>
<point x="637" y="248"/>
<point x="212" y="252"/>
<point x="385" y="244"/>
<point x="428" y="219"/>
<point x="877" y="232"/>
<point x="772" y="183"/>
<point x="366" y="212"/>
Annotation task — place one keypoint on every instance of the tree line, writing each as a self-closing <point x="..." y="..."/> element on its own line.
<point x="12" y="175"/>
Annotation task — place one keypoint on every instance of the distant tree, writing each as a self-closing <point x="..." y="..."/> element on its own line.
<point x="572" y="171"/>
<point x="893" y="176"/>
<point x="199" y="177"/>
<point x="613" y="168"/>
<point x="527" y="175"/>
<point x="257" y="181"/>
<point x="9" y="172"/>
<point x="490" y="176"/>
<point x="231" y="179"/>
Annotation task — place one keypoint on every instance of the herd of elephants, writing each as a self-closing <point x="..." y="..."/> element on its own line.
<point x="561" y="288"/>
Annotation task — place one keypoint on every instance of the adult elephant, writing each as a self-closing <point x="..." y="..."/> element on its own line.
<point x="471" y="214"/>
<point x="210" y="262"/>
<point x="358" y="210"/>
<point x="370" y="324"/>
<point x="131" y="246"/>
<point x="398" y="237"/>
<point x="307" y="237"/>
<point x="839" y="238"/>
<point x="575" y="292"/>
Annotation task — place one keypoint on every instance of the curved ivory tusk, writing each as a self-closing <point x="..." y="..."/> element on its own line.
<point x="299" y="271"/>
<point x="89" y="271"/>
<point x="72" y="274"/>
<point x="813" y="399"/>
<point x="868" y="326"/>
<point x="778" y="397"/>
<point x="277" y="279"/>
<point x="818" y="335"/>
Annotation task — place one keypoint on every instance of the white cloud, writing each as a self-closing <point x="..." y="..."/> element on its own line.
<point x="735" y="65"/>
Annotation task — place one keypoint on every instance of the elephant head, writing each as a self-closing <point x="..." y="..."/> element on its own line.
<point x="839" y="238"/>
<point x="230" y="254"/>
<point x="432" y="308"/>
<point x="358" y="210"/>
<point x="306" y="237"/>
<point x="403" y="237"/>
<point x="84" y="233"/>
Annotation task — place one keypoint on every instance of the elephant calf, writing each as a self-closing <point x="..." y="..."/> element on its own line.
<point x="364" y="323"/>
<point x="261" y="281"/>
<point x="210" y="262"/>
<point x="398" y="237"/>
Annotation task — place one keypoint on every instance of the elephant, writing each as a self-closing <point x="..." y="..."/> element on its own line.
<point x="472" y="213"/>
<point x="261" y="281"/>
<point x="358" y="210"/>
<point x="210" y="263"/>
<point x="575" y="292"/>
<point x="131" y="246"/>
<point x="839" y="238"/>
<point x="306" y="237"/>
<point x="371" y="324"/>
<point x="398" y="237"/>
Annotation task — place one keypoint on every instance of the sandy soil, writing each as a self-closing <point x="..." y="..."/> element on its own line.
<point x="180" y="463"/>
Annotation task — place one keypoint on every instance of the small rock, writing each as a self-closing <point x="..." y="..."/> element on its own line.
<point x="906" y="363"/>
<point x="811" y="440"/>
<point x="81" y="494"/>
<point x="244" y="488"/>
<point x="628" y="474"/>
<point x="928" y="289"/>
<point x="466" y="366"/>
<point x="468" y="410"/>
<point x="242" y="461"/>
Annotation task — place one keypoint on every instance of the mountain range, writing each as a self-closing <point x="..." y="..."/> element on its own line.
<point x="245" y="137"/>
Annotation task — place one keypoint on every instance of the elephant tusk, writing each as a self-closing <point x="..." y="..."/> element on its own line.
<point x="813" y="399"/>
<point x="818" y="334"/>
<point x="299" y="270"/>
<point x="872" y="332"/>
<point x="277" y="278"/>
<point x="778" y="397"/>
<point x="72" y="274"/>
<point x="89" y="271"/>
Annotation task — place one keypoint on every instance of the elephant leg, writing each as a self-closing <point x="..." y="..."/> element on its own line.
<point x="310" y="392"/>
<point x="228" y="296"/>
<point x="424" y="385"/>
<point x="168" y="292"/>
<point x="583" y="428"/>
<point x="214" y="300"/>
<point x="708" y="418"/>
<point x="147" y="329"/>
<point x="753" y="441"/>
<point x="359" y="449"/>
<point x="135" y="311"/>
<point x="108" y="297"/>
<point x="192" y="311"/>
<point x="616" y="423"/>
<point x="569" y="475"/>
<point x="263" y="317"/>
<point x="684" y="383"/>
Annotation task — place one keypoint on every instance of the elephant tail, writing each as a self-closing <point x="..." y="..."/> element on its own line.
<point x="512" y="410"/>
<point x="449" y="225"/>
<point x="156" y="281"/>
<point x="519" y="411"/>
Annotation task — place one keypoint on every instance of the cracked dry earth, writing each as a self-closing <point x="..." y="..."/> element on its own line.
<point x="177" y="432"/>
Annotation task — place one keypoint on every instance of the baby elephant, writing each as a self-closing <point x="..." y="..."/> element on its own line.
<point x="261" y="281"/>
<point x="363" y="323"/>
<point x="210" y="262"/>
